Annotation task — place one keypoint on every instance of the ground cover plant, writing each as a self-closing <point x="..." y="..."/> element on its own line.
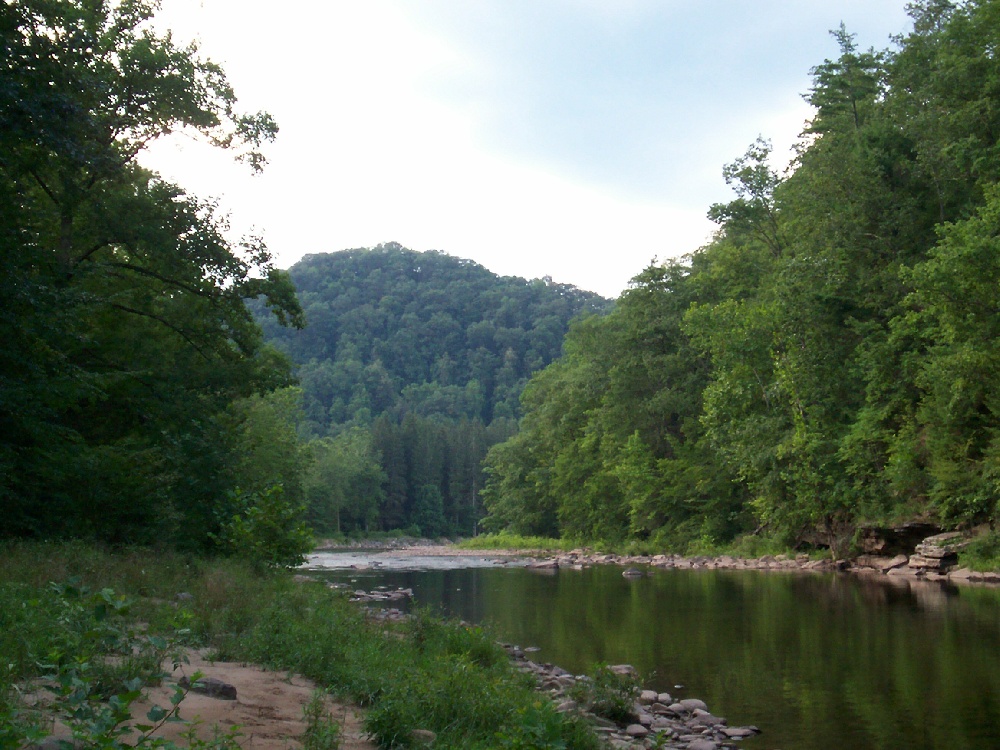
<point x="96" y="626"/>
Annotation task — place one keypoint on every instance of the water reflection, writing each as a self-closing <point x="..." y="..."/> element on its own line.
<point x="817" y="661"/>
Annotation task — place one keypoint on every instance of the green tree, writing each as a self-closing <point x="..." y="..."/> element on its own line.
<point x="129" y="331"/>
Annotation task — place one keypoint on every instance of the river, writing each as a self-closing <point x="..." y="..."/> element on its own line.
<point x="817" y="661"/>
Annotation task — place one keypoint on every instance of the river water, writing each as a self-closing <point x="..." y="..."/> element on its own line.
<point x="817" y="661"/>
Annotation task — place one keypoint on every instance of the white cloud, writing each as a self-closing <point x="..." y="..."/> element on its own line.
<point x="410" y="122"/>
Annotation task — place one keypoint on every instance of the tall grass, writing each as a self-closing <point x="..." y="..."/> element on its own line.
<point x="508" y="540"/>
<point x="427" y="673"/>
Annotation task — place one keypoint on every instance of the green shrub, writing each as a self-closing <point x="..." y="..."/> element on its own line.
<point x="609" y="694"/>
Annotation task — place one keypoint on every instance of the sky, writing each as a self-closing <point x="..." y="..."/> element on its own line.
<point x="577" y="139"/>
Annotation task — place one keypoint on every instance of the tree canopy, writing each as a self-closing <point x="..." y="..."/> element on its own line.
<point x="828" y="358"/>
<point x="127" y="340"/>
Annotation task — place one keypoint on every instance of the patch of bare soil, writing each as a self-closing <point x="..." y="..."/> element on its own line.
<point x="267" y="709"/>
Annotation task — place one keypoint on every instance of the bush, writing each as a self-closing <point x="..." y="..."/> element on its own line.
<point x="609" y="694"/>
<point x="266" y="530"/>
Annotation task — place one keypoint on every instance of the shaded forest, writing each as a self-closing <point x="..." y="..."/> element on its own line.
<point x="137" y="395"/>
<point x="829" y="359"/>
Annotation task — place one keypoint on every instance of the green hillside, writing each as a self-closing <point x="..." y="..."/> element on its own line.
<point x="393" y="331"/>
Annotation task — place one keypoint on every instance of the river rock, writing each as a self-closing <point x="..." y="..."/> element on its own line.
<point x="691" y="704"/>
<point x="210" y="686"/>
<point x="664" y="698"/>
<point x="626" y="670"/>
<point x="739" y="733"/>
<point x="632" y="573"/>
<point x="702" y="744"/>
<point x="648" y="696"/>
<point x="636" y="730"/>
<point x="705" y="719"/>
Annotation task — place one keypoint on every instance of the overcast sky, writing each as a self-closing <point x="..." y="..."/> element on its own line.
<point x="572" y="138"/>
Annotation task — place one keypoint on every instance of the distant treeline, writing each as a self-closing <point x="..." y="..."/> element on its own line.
<point x="831" y="357"/>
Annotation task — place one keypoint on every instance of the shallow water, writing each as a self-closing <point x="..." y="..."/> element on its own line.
<point x="817" y="661"/>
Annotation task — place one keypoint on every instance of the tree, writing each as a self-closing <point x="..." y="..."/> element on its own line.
<point x="129" y="326"/>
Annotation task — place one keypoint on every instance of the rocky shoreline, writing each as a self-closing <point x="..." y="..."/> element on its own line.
<point x="657" y="721"/>
<point x="933" y="559"/>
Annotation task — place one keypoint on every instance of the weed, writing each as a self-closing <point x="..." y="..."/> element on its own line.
<point x="322" y="730"/>
<point x="609" y="694"/>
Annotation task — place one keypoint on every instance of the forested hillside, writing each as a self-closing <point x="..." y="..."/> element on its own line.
<point x="411" y="367"/>
<point x="392" y="331"/>
<point x="830" y="357"/>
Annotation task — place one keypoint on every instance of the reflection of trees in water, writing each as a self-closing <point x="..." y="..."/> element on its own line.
<point x="819" y="661"/>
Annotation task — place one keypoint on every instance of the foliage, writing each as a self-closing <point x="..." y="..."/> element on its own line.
<point x="507" y="540"/>
<point x="392" y="331"/>
<point x="430" y="673"/>
<point x="981" y="553"/>
<point x="322" y="730"/>
<point x="127" y="336"/>
<point x="828" y="358"/>
<point x="609" y="693"/>
<point x="266" y="529"/>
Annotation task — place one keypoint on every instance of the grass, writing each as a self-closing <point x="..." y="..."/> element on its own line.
<point x="71" y="611"/>
<point x="508" y="540"/>
<point x="982" y="553"/>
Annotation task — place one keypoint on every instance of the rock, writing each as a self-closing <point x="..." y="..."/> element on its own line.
<point x="896" y="562"/>
<point x="702" y="744"/>
<point x="566" y="706"/>
<point x="739" y="733"/>
<point x="423" y="736"/>
<point x="664" y="698"/>
<point x="624" y="669"/>
<point x="919" y="562"/>
<point x="648" y="696"/>
<point x="632" y="573"/>
<point x="941" y="545"/>
<point x="962" y="574"/>
<point x="544" y="565"/>
<point x="636" y="730"/>
<point x="706" y="719"/>
<point x="690" y="704"/>
<point x="210" y="686"/>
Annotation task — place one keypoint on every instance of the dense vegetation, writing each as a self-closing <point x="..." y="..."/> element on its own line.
<point x="829" y="358"/>
<point x="395" y="332"/>
<point x="98" y="627"/>
<point x="411" y="368"/>
<point x="134" y="382"/>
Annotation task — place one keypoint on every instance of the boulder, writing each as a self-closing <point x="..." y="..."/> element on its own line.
<point x="941" y="546"/>
<point x="692" y="704"/>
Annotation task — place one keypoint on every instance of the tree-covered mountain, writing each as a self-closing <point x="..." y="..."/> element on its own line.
<point x="830" y="358"/>
<point x="393" y="331"/>
<point x="411" y="367"/>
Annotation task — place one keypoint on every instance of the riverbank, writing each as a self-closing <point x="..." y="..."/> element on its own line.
<point x="94" y="629"/>
<point x="934" y="559"/>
